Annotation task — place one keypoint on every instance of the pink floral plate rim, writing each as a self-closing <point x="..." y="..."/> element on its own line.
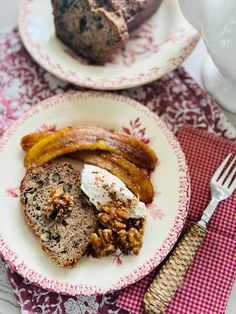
<point x="121" y="82"/>
<point x="183" y="204"/>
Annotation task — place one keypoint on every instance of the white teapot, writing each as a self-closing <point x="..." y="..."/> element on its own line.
<point x="216" y="21"/>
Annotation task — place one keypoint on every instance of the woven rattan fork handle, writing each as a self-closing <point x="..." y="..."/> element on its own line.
<point x="172" y="273"/>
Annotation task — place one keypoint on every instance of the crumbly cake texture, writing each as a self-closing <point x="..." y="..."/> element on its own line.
<point x="91" y="31"/>
<point x="64" y="230"/>
<point x="94" y="29"/>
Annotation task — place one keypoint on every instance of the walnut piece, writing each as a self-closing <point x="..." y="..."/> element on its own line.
<point x="113" y="218"/>
<point x="103" y="242"/>
<point x="130" y="241"/>
<point x="60" y="204"/>
<point x="120" y="231"/>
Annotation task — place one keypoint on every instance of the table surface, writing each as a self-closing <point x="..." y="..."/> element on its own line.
<point x="8" y="18"/>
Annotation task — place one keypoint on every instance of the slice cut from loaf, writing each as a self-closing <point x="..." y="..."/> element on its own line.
<point x="58" y="211"/>
<point x="96" y="28"/>
<point x="92" y="31"/>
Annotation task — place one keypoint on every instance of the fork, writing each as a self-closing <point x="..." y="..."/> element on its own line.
<point x="170" y="276"/>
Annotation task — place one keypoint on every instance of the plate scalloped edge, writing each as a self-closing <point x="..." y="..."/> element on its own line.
<point x="183" y="204"/>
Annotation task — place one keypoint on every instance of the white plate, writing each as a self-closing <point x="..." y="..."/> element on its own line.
<point x="165" y="216"/>
<point x="157" y="47"/>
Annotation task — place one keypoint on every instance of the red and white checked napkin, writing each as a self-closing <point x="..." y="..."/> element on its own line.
<point x="209" y="280"/>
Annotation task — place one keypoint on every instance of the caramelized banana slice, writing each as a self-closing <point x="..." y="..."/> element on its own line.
<point x="132" y="176"/>
<point x="30" y="139"/>
<point x="73" y="139"/>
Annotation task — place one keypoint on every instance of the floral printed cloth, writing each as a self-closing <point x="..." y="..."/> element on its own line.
<point x="176" y="98"/>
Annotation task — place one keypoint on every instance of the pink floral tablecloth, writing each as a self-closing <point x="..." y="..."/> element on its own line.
<point x="176" y="98"/>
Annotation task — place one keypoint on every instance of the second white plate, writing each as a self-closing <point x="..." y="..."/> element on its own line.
<point x="157" y="47"/>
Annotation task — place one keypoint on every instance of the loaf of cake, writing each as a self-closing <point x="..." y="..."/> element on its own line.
<point x="95" y="29"/>
<point x="58" y="211"/>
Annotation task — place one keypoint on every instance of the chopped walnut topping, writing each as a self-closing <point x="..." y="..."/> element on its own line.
<point x="120" y="231"/>
<point x="103" y="242"/>
<point x="60" y="204"/>
<point x="130" y="241"/>
<point x="113" y="218"/>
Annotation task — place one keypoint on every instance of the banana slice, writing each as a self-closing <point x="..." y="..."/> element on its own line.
<point x="71" y="139"/>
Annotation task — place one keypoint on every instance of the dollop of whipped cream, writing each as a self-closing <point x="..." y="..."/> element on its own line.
<point x="102" y="187"/>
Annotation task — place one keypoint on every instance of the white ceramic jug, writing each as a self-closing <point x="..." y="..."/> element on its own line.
<point x="216" y="21"/>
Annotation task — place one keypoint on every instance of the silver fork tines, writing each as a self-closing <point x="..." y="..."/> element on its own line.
<point x="223" y="184"/>
<point x="229" y="181"/>
<point x="224" y="177"/>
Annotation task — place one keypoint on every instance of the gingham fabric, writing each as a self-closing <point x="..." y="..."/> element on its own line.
<point x="208" y="282"/>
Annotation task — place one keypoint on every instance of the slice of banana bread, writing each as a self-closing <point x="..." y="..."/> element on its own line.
<point x="96" y="28"/>
<point x="91" y="31"/>
<point x="58" y="211"/>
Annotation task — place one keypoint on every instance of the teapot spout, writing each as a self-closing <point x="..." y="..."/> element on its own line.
<point x="194" y="11"/>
